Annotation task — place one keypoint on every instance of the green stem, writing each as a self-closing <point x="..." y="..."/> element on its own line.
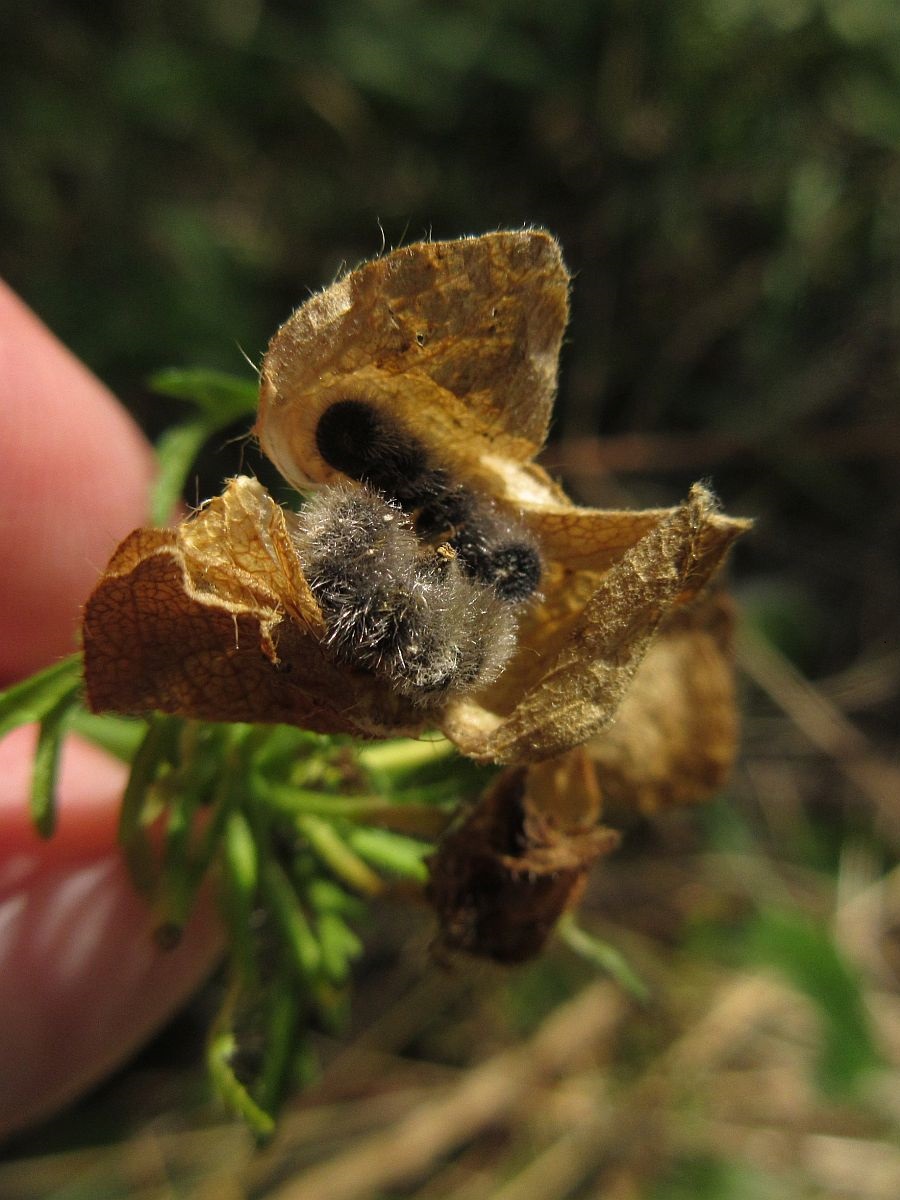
<point x="424" y="820"/>
<point x="604" y="956"/>
<point x="157" y="748"/>
<point x="397" y="757"/>
<point x="46" y="761"/>
<point x="222" y="1046"/>
<point x="336" y="854"/>
<point x="290" y="917"/>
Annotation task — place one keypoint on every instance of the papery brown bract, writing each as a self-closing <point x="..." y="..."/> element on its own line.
<point x="520" y="858"/>
<point x="675" y="736"/>
<point x="458" y="342"/>
<point x="581" y="646"/>
<point x="215" y="620"/>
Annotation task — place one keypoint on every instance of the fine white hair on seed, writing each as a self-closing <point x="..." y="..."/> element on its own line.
<point x="395" y="606"/>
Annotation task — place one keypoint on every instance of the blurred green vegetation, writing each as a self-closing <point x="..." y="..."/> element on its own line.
<point x="724" y="177"/>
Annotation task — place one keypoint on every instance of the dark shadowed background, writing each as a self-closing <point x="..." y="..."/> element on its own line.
<point x="724" y="178"/>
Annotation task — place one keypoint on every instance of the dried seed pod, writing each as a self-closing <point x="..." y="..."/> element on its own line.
<point x="427" y="377"/>
<point x="502" y="878"/>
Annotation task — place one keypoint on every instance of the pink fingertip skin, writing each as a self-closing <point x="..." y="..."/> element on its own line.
<point x="82" y="981"/>
<point x="91" y="787"/>
<point x="76" y="476"/>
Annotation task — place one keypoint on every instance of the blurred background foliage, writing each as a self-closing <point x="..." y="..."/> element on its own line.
<point x="724" y="178"/>
<point x="722" y="174"/>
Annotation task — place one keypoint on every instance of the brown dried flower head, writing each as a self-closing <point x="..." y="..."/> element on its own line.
<point x="502" y="877"/>
<point x="426" y="377"/>
<point x="437" y="577"/>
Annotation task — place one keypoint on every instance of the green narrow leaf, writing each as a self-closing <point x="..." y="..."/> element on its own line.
<point x="33" y="698"/>
<point x="393" y="852"/>
<point x="392" y="763"/>
<point x="340" y="946"/>
<point x="291" y="919"/>
<point x="223" y="757"/>
<point x="281" y="1020"/>
<point x="332" y="849"/>
<point x="326" y="896"/>
<point x="241" y="854"/>
<point x="424" y="820"/>
<point x="118" y="736"/>
<point x="179" y="879"/>
<point x="241" y="871"/>
<point x="176" y="452"/>
<point x="223" y="397"/>
<point x="46" y="762"/>
<point x="157" y="749"/>
<point x="808" y="956"/>
<point x="208" y="776"/>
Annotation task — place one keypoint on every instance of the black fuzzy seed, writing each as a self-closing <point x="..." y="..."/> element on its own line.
<point x="514" y="571"/>
<point x="498" y="552"/>
<point x="353" y="437"/>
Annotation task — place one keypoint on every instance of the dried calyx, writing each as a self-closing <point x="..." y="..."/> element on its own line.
<point x="437" y="577"/>
<point x="420" y="385"/>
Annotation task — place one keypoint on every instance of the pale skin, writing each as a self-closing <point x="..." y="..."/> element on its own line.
<point x="82" y="983"/>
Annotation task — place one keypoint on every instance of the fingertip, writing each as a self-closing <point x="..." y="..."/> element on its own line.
<point x="83" y="980"/>
<point x="89" y="796"/>
<point x="75" y="480"/>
